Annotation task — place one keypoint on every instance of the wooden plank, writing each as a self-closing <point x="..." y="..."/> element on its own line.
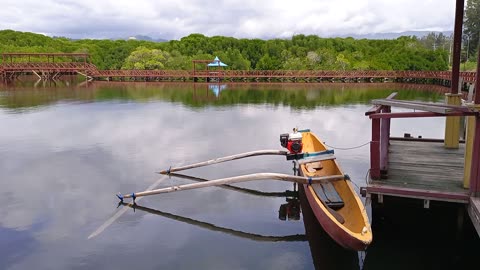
<point x="418" y="114"/>
<point x="474" y="212"/>
<point x="433" y="170"/>
<point x="327" y="193"/>
<point x="315" y="159"/>
<point x="424" y="144"/>
<point x="451" y="176"/>
<point x="425" y="161"/>
<point x="425" y="165"/>
<point x="439" y="195"/>
<point x="425" y="181"/>
<point x="378" y="108"/>
<point x="442" y="105"/>
<point x="450" y="107"/>
<point x="407" y="105"/>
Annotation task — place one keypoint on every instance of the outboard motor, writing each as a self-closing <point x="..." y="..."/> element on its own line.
<point x="293" y="142"/>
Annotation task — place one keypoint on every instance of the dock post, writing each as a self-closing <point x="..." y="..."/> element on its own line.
<point x="475" y="161"/>
<point x="384" y="142"/>
<point x="469" y="138"/>
<point x="375" y="150"/>
<point x="475" y="167"/>
<point x="453" y="98"/>
<point x="452" y="124"/>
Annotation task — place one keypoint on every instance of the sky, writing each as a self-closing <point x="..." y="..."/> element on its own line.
<point x="174" y="19"/>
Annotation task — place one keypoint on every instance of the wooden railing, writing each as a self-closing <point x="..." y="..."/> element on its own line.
<point x="64" y="66"/>
<point x="232" y="74"/>
<point x="381" y="115"/>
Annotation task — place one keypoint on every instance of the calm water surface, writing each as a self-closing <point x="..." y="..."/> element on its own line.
<point x="65" y="150"/>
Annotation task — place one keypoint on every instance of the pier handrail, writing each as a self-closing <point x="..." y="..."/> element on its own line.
<point x="381" y="115"/>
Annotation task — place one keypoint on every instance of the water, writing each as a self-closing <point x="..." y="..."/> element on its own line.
<point x="65" y="150"/>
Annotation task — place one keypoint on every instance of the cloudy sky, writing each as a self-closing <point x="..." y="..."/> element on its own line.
<point x="173" y="19"/>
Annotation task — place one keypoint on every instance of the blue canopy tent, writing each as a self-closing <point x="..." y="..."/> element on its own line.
<point x="217" y="63"/>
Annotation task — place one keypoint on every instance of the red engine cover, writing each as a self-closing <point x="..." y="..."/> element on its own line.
<point x="295" y="146"/>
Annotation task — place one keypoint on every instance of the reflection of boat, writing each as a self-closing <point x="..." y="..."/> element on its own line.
<point x="335" y="204"/>
<point x="212" y="227"/>
<point x="326" y="254"/>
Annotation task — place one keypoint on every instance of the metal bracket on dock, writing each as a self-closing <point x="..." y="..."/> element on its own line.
<point x="363" y="191"/>
<point x="426" y="204"/>
<point x="380" y="198"/>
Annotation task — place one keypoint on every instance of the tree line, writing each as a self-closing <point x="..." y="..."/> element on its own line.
<point x="301" y="52"/>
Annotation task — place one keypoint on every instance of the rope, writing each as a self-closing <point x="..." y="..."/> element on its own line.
<point x="349" y="148"/>
<point x="366" y="177"/>
<point x="347" y="177"/>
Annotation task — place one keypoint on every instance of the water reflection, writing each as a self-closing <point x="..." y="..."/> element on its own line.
<point x="217" y="88"/>
<point x="326" y="253"/>
<point x="66" y="151"/>
<point x="407" y="236"/>
<point x="300" y="96"/>
<point x="23" y="241"/>
<point x="212" y="227"/>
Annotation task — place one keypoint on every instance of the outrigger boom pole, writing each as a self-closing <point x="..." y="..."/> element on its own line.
<point x="225" y="159"/>
<point x="237" y="179"/>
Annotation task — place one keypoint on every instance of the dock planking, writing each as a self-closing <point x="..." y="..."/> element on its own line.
<point x="474" y="212"/>
<point x="425" y="170"/>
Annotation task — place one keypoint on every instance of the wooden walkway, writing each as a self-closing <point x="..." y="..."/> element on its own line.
<point x="425" y="170"/>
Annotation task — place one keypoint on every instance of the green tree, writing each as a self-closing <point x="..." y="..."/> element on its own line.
<point x="144" y="58"/>
<point x="342" y="62"/>
<point x="472" y="25"/>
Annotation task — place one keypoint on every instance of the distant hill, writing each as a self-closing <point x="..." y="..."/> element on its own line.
<point x="146" y="38"/>
<point x="418" y="34"/>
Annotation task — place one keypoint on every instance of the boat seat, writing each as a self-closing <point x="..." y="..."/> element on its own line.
<point x="327" y="193"/>
<point x="315" y="159"/>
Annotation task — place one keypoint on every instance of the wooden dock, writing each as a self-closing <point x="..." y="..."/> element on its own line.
<point x="423" y="169"/>
<point x="444" y="171"/>
<point x="474" y="212"/>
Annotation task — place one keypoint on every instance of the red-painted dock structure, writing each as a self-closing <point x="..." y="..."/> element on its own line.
<point x="426" y="169"/>
<point x="421" y="168"/>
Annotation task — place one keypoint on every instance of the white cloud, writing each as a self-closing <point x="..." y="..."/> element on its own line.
<point x="251" y="19"/>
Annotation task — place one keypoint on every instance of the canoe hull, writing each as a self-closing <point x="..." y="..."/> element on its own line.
<point x="331" y="227"/>
<point x="348" y="225"/>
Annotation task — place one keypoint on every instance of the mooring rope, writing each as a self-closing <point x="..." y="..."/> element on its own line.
<point x="348" y="148"/>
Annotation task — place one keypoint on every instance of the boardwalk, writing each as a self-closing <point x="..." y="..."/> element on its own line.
<point x="54" y="65"/>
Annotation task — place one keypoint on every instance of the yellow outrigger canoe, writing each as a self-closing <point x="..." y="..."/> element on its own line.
<point x="329" y="192"/>
<point x="335" y="204"/>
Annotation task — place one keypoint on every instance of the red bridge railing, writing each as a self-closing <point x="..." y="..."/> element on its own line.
<point x="21" y="63"/>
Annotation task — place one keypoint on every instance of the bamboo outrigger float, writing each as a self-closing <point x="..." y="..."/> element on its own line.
<point x="329" y="191"/>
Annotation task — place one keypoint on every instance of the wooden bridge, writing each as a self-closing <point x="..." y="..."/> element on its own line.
<point x="51" y="66"/>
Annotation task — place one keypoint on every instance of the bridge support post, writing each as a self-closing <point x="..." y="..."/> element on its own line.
<point x="452" y="124"/>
